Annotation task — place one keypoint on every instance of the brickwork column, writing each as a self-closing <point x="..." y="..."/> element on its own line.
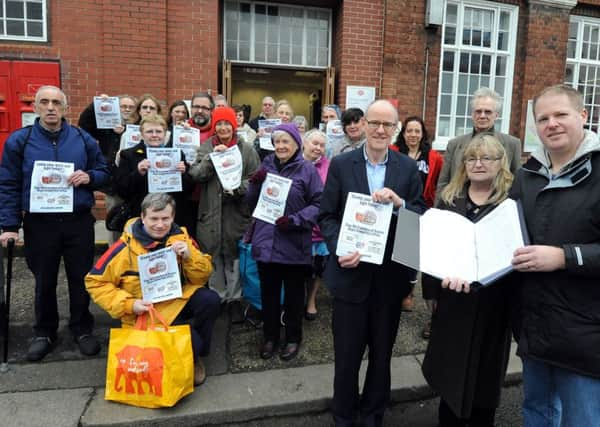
<point x="546" y="34"/>
<point x="358" y="45"/>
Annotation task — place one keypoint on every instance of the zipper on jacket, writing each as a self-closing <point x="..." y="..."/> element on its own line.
<point x="55" y="145"/>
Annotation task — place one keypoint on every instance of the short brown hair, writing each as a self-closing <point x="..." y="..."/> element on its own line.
<point x="575" y="97"/>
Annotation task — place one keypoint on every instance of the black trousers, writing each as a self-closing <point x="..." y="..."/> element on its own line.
<point x="480" y="417"/>
<point x="48" y="238"/>
<point x="292" y="276"/>
<point x="200" y="312"/>
<point x="372" y="323"/>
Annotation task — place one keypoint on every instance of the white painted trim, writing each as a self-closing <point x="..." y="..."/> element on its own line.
<point x="561" y="4"/>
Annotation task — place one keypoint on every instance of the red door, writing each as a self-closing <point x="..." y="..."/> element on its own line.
<point x="19" y="80"/>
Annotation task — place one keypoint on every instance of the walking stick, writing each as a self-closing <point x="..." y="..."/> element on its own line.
<point x="9" y="261"/>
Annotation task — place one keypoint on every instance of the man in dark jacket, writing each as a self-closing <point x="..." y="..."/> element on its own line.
<point x="367" y="298"/>
<point x="62" y="226"/>
<point x="559" y="338"/>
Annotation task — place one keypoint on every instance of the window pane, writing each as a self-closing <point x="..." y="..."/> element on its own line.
<point x="450" y="35"/>
<point x="486" y="63"/>
<point x="311" y="55"/>
<point x="231" y="50"/>
<point x="499" y="84"/>
<point x="272" y="53"/>
<point x="504" y="21"/>
<point x="259" y="52"/>
<point x="14" y="9"/>
<point x="244" y="52"/>
<point x="451" y="14"/>
<point x="323" y="57"/>
<point x="464" y="63"/>
<point x="569" y="73"/>
<point x="34" y="10"/>
<point x="501" y="66"/>
<point x="462" y="105"/>
<point x="475" y="64"/>
<point x="444" y="126"/>
<point x="463" y="83"/>
<point x="15" y="28"/>
<point x="297" y="54"/>
<point x="448" y="61"/>
<point x="446" y="82"/>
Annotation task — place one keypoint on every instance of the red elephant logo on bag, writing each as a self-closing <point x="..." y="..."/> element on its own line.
<point x="140" y="365"/>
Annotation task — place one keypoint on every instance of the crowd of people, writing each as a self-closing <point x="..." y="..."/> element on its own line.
<point x="548" y="304"/>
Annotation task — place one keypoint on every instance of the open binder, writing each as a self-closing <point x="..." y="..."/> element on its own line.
<point x="445" y="244"/>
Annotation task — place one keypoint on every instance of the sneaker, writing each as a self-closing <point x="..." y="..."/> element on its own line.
<point x="39" y="348"/>
<point x="88" y="345"/>
<point x="426" y="332"/>
<point x="199" y="372"/>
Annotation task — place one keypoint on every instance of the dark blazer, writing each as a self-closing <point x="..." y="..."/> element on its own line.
<point x="347" y="173"/>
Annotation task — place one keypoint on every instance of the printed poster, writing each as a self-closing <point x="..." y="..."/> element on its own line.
<point x="107" y="111"/>
<point x="187" y="139"/>
<point x="159" y="275"/>
<point x="272" y="198"/>
<point x="133" y="136"/>
<point x="364" y="228"/>
<point x="359" y="97"/>
<point x="163" y="177"/>
<point x="49" y="190"/>
<point x="267" y="126"/>
<point x="228" y="165"/>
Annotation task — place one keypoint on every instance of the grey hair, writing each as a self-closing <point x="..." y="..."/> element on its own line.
<point x="384" y="102"/>
<point x="300" y="120"/>
<point x="46" y="87"/>
<point x="486" y="92"/>
<point x="157" y="202"/>
<point x="312" y="133"/>
<point x="268" y="98"/>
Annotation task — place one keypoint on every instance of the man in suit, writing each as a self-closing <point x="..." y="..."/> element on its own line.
<point x="485" y="110"/>
<point x="367" y="297"/>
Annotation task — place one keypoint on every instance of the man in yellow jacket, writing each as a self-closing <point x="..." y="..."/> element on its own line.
<point x="114" y="282"/>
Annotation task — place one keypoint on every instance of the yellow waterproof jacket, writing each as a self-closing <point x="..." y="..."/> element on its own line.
<point x="114" y="282"/>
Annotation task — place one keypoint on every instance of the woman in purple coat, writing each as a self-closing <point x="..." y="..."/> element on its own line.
<point x="283" y="250"/>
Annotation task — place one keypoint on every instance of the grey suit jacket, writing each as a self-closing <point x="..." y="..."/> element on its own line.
<point x="456" y="147"/>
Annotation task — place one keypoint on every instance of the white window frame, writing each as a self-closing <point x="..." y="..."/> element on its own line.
<point x="441" y="141"/>
<point x="44" y="22"/>
<point x="591" y="93"/>
<point x="253" y="38"/>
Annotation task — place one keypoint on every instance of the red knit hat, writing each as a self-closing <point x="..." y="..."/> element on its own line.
<point x="223" y="113"/>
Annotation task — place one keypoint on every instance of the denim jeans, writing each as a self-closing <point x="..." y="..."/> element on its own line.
<point x="556" y="397"/>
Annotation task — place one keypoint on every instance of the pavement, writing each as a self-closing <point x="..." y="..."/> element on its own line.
<point x="67" y="389"/>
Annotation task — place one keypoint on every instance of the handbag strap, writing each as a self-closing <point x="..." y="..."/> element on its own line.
<point x="141" y="322"/>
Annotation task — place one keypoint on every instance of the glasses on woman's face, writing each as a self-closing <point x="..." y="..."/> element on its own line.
<point x="485" y="160"/>
<point x="148" y="107"/>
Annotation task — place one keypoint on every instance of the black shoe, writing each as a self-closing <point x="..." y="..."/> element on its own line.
<point x="289" y="351"/>
<point x="39" y="348"/>
<point x="236" y="312"/>
<point x="88" y="345"/>
<point x="310" y="316"/>
<point x="268" y="349"/>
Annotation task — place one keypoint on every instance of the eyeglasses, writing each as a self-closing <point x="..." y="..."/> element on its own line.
<point x="485" y="160"/>
<point x="148" y="107"/>
<point x="126" y="107"/>
<point x="374" y="124"/>
<point x="200" y="107"/>
<point x="484" y="112"/>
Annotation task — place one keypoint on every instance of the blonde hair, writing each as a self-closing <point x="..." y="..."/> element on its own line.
<point x="153" y="119"/>
<point x="488" y="144"/>
<point x="284" y="102"/>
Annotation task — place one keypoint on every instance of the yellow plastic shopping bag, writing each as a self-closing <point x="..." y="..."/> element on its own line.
<point x="151" y="366"/>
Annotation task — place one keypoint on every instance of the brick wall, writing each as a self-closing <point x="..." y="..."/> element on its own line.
<point x="544" y="54"/>
<point x="359" y="45"/>
<point x="168" y="48"/>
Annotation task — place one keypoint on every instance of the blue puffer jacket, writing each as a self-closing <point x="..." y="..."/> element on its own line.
<point x="69" y="145"/>
<point x="293" y="245"/>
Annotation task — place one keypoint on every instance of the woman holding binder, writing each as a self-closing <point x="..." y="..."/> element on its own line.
<point x="469" y="347"/>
